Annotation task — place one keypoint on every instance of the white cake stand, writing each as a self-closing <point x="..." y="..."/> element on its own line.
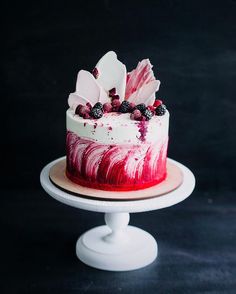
<point x="117" y="246"/>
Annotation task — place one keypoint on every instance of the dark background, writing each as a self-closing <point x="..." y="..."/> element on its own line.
<point x="192" y="45"/>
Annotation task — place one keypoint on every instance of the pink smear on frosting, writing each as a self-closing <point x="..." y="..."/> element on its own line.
<point x="142" y="127"/>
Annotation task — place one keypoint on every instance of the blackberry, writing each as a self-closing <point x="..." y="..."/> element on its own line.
<point x="98" y="105"/>
<point x="96" y="112"/>
<point x="141" y="107"/>
<point x="147" y="114"/>
<point x="124" y="107"/>
<point x="161" y="110"/>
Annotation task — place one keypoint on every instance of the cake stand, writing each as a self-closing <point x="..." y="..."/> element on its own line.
<point x="118" y="246"/>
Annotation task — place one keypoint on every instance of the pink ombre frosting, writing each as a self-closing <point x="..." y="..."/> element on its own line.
<point x="115" y="167"/>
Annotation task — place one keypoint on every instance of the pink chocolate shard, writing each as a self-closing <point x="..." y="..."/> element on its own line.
<point x="141" y="84"/>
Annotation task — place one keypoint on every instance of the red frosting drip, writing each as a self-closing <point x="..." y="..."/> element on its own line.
<point x="114" y="167"/>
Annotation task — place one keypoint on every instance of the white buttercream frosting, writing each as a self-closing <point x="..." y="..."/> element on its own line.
<point x="116" y="128"/>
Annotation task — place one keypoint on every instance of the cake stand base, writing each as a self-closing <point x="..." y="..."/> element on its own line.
<point x="137" y="251"/>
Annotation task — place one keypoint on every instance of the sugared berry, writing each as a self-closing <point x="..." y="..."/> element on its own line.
<point x="148" y="114"/>
<point x="161" y="110"/>
<point x="78" y="109"/>
<point x="132" y="106"/>
<point x="115" y="104"/>
<point x="136" y="115"/>
<point x="112" y="92"/>
<point x="98" y="105"/>
<point x="86" y="115"/>
<point x="107" y="107"/>
<point x="89" y="105"/>
<point x="96" y="112"/>
<point x="124" y="107"/>
<point x="95" y="73"/>
<point x="82" y="110"/>
<point x="157" y="103"/>
<point x="141" y="107"/>
<point x="151" y="108"/>
<point x="115" y="97"/>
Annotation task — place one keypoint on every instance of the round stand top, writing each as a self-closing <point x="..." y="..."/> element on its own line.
<point x="112" y="206"/>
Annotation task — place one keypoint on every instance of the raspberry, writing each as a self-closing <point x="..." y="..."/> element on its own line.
<point x="161" y="110"/>
<point x="98" y="105"/>
<point x="115" y="104"/>
<point x="148" y="114"/>
<point x="89" y="105"/>
<point x="96" y="112"/>
<point x="115" y="97"/>
<point x="112" y="92"/>
<point x="86" y="115"/>
<point x="78" y="108"/>
<point x="151" y="108"/>
<point x="82" y="110"/>
<point x="107" y="107"/>
<point x="124" y="107"/>
<point x="136" y="115"/>
<point x="141" y="107"/>
<point x="95" y="73"/>
<point x="157" y="103"/>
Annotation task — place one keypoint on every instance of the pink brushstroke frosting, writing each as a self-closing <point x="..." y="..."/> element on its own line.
<point x="115" y="167"/>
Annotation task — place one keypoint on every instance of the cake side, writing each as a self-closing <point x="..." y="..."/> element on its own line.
<point x="114" y="154"/>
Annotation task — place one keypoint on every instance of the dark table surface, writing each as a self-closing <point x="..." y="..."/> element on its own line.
<point x="192" y="45"/>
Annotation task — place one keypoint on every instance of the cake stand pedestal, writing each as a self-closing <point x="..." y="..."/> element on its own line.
<point x="118" y="246"/>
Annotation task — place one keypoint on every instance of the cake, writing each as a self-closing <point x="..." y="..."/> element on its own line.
<point x="117" y="130"/>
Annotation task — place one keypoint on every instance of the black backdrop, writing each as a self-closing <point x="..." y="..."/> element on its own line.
<point x="192" y="45"/>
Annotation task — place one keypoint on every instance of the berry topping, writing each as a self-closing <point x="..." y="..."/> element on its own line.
<point x="98" y="105"/>
<point x="107" y="107"/>
<point x="161" y="110"/>
<point x="141" y="107"/>
<point x="96" y="112"/>
<point x="136" y="115"/>
<point x="151" y="108"/>
<point x="115" y="104"/>
<point x="115" y="97"/>
<point x="78" y="108"/>
<point x="147" y="114"/>
<point x="82" y="110"/>
<point x="95" y="73"/>
<point x="86" y="115"/>
<point x="132" y="106"/>
<point x="89" y="105"/>
<point x="112" y="92"/>
<point x="157" y="103"/>
<point x="124" y="107"/>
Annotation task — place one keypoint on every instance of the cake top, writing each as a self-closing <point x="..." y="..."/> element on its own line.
<point x="109" y="88"/>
